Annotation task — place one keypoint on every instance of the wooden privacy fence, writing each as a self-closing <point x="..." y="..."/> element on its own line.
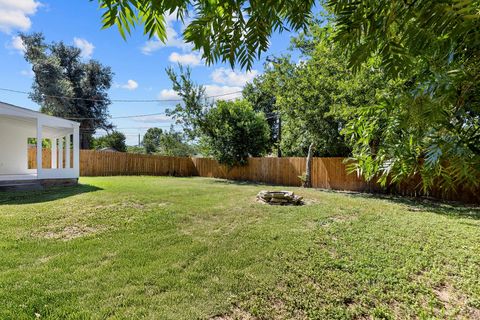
<point x="46" y="158"/>
<point x="327" y="173"/>
<point x="98" y="163"/>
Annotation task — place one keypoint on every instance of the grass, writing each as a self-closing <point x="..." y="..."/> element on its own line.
<point x="189" y="248"/>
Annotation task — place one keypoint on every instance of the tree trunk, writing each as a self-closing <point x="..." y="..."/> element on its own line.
<point x="85" y="138"/>
<point x="308" y="172"/>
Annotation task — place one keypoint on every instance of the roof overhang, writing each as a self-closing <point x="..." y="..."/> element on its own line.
<point x="7" y="109"/>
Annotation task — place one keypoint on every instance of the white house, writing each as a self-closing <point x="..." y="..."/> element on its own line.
<point x="17" y="125"/>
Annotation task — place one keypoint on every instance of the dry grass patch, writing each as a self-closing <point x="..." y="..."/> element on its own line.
<point x="455" y="304"/>
<point x="70" y="232"/>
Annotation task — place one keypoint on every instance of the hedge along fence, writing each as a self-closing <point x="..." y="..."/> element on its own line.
<point x="327" y="173"/>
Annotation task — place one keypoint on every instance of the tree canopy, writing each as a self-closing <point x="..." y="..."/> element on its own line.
<point x="114" y="140"/>
<point x="429" y="122"/>
<point x="234" y="31"/>
<point x="151" y="140"/>
<point x="309" y="93"/>
<point x="67" y="87"/>
<point x="230" y="131"/>
<point x="236" y="132"/>
<point x="167" y="143"/>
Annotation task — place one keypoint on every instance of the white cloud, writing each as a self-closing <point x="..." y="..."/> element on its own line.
<point x="153" y="119"/>
<point x="17" y="44"/>
<point x="192" y="59"/>
<point x="174" y="39"/>
<point x="211" y="90"/>
<point x="14" y="14"/>
<point x="168" y="94"/>
<point x="232" y="77"/>
<point x="27" y="73"/>
<point x="224" y="92"/>
<point x="130" y="85"/>
<point x="85" y="46"/>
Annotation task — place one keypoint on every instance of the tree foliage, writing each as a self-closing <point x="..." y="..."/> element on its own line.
<point x="174" y="144"/>
<point x="429" y="123"/>
<point x="67" y="87"/>
<point x="151" y="140"/>
<point x="114" y="140"/>
<point x="228" y="131"/>
<point x="403" y="32"/>
<point x="308" y="94"/>
<point x="235" y="31"/>
<point x="263" y="100"/>
<point x="236" y="132"/>
<point x="167" y="143"/>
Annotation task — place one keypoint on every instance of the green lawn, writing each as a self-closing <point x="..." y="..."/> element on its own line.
<point x="189" y="248"/>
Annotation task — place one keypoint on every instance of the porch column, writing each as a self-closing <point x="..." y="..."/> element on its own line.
<point x="54" y="153"/>
<point x="76" y="150"/>
<point x="67" y="152"/>
<point x="39" y="148"/>
<point x="60" y="153"/>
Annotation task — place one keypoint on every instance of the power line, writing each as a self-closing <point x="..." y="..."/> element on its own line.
<point x="119" y="100"/>
<point x="123" y="117"/>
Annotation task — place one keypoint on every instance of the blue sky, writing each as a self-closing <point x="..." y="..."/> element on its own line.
<point x="138" y="63"/>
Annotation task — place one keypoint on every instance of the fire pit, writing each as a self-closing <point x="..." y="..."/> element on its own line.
<point x="279" y="198"/>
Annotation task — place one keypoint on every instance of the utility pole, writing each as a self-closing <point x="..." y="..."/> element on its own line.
<point x="279" y="135"/>
<point x="139" y="139"/>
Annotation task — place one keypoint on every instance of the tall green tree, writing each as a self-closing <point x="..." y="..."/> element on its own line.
<point x="235" y="31"/>
<point x="429" y="125"/>
<point x="67" y="87"/>
<point x="263" y="100"/>
<point x="152" y="140"/>
<point x="236" y="132"/>
<point x="115" y="140"/>
<point x="167" y="143"/>
<point x="309" y="93"/>
<point x="174" y="144"/>
<point x="229" y="131"/>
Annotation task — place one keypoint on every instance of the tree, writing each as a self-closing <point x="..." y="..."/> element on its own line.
<point x="114" y="140"/>
<point x="192" y="112"/>
<point x="235" y="31"/>
<point x="308" y="94"/>
<point x="136" y="149"/>
<point x="400" y="31"/>
<point x="173" y="144"/>
<point x="64" y="86"/>
<point x="236" y="132"/>
<point x="151" y="140"/>
<point x="429" y="124"/>
<point x="229" y="131"/>
<point x="167" y="143"/>
<point x="262" y="100"/>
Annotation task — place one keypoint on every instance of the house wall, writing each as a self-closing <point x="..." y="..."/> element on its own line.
<point x="13" y="145"/>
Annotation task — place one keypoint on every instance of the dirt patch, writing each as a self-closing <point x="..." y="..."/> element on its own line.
<point x="235" y="314"/>
<point x="122" y="205"/>
<point x="455" y="303"/>
<point x="70" y="232"/>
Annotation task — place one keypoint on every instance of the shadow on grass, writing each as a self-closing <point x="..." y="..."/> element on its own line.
<point x="453" y="209"/>
<point x="46" y="195"/>
<point x="237" y="182"/>
<point x="250" y="183"/>
<point x="448" y="208"/>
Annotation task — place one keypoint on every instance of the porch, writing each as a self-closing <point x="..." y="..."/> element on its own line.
<point x="19" y="129"/>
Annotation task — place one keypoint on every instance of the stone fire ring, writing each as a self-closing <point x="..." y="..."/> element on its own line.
<point x="280" y="198"/>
